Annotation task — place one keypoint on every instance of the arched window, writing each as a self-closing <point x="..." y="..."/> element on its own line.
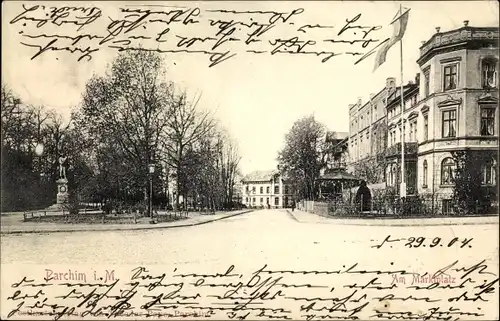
<point x="448" y="168"/>
<point x="489" y="171"/>
<point x="425" y="173"/>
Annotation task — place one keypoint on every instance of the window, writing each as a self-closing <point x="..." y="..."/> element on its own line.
<point x="261" y="200"/>
<point x="262" y="190"/>
<point x="489" y="73"/>
<point x="448" y="168"/>
<point x="267" y="190"/>
<point x="246" y="199"/>
<point x="426" y="82"/>
<point x="415" y="132"/>
<point x="425" y="174"/>
<point x="267" y="200"/>
<point x="449" y="122"/>
<point x="447" y="206"/>
<point x="487" y="121"/>
<point x="426" y="127"/>
<point x="276" y="189"/>
<point x="286" y="189"/>
<point x="253" y="200"/>
<point x="276" y="201"/>
<point x="489" y="173"/>
<point x="450" y="77"/>
<point x="247" y="189"/>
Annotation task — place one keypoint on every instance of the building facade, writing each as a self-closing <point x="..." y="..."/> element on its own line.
<point x="458" y="109"/>
<point x="368" y="134"/>
<point x="267" y="189"/>
<point x="452" y="106"/>
<point x="394" y="127"/>
<point x="337" y="155"/>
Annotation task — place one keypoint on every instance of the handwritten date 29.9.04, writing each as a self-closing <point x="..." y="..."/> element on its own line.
<point x="423" y="242"/>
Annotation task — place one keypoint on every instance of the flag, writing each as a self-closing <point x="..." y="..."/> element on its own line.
<point x="399" y="23"/>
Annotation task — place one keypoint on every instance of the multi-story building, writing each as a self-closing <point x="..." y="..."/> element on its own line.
<point x="337" y="156"/>
<point x="393" y="151"/>
<point x="458" y="109"/>
<point x="368" y="131"/>
<point x="453" y="106"/>
<point x="267" y="188"/>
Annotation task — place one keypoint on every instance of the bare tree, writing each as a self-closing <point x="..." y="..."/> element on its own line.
<point x="185" y="126"/>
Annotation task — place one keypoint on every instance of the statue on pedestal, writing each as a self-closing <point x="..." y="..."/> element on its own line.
<point x="62" y="167"/>
<point x="62" y="182"/>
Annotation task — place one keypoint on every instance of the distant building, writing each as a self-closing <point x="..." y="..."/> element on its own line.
<point x="263" y="188"/>
<point x="337" y="155"/>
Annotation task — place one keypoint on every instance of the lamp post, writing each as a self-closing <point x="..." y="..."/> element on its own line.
<point x="151" y="168"/>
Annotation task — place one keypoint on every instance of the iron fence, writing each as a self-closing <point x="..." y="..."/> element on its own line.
<point x="411" y="206"/>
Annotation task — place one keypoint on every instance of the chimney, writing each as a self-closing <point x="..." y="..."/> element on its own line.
<point x="466" y="23"/>
<point x="438" y="29"/>
<point x="351" y="105"/>
<point x="360" y="101"/>
<point x="390" y="83"/>
<point x="372" y="96"/>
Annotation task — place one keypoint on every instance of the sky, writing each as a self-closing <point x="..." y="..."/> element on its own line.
<point x="257" y="97"/>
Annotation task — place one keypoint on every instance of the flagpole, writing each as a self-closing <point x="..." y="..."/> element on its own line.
<point x="402" y="191"/>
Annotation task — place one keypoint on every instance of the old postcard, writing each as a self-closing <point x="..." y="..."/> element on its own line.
<point x="253" y="160"/>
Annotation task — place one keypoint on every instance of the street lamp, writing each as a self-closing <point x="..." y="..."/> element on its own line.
<point x="39" y="149"/>
<point x="151" y="168"/>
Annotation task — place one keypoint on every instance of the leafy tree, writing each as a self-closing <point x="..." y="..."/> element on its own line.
<point x="303" y="156"/>
<point x="469" y="193"/>
<point x="371" y="170"/>
<point x="124" y="114"/>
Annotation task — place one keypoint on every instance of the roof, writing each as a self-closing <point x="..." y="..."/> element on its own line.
<point x="260" y="176"/>
<point x="395" y="96"/>
<point x="331" y="135"/>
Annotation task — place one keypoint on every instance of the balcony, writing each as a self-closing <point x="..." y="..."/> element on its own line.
<point x="395" y="150"/>
<point x="459" y="37"/>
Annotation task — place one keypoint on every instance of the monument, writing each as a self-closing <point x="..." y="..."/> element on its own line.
<point x="62" y="188"/>
<point x="62" y="182"/>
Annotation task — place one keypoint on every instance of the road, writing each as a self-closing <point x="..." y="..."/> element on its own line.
<point x="249" y="241"/>
<point x="265" y="236"/>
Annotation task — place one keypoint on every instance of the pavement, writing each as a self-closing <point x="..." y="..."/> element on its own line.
<point x="306" y="217"/>
<point x="13" y="224"/>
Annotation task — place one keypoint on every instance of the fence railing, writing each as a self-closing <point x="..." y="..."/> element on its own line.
<point x="411" y="206"/>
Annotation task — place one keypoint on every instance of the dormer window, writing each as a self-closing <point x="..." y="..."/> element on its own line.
<point x="489" y="73"/>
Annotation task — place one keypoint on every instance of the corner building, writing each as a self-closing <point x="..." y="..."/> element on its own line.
<point x="458" y="106"/>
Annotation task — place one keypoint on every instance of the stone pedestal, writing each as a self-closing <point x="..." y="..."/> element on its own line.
<point x="62" y="191"/>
